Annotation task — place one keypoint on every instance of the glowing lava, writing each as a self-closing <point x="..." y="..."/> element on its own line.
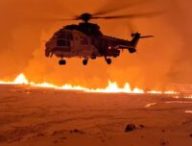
<point x="21" y="79"/>
<point x="111" y="88"/>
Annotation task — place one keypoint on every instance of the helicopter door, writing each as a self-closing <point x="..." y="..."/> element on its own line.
<point x="80" y="42"/>
<point x="82" y="45"/>
<point x="84" y="42"/>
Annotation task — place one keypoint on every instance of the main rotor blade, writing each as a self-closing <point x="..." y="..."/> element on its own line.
<point x="118" y="7"/>
<point x="128" y="16"/>
<point x="42" y="19"/>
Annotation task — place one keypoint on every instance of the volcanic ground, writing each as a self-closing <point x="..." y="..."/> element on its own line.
<point x="48" y="117"/>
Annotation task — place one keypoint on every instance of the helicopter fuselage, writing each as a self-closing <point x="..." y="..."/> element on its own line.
<point x="86" y="41"/>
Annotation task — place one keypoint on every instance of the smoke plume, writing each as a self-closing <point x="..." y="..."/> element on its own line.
<point x="26" y="26"/>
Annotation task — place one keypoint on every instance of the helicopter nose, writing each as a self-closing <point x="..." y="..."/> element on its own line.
<point x="47" y="53"/>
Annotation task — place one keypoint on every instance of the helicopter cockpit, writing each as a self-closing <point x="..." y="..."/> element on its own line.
<point x="63" y="38"/>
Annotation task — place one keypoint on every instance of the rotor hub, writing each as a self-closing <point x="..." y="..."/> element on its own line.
<point x="85" y="17"/>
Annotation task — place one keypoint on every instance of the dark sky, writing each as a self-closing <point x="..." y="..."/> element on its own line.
<point x="165" y="59"/>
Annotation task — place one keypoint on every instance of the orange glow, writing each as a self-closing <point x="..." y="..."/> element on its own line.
<point x="21" y="79"/>
<point x="188" y="97"/>
<point x="159" y="63"/>
<point x="112" y="87"/>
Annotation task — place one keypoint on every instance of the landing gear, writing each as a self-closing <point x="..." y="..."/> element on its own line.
<point x="108" y="60"/>
<point x="132" y="50"/>
<point x="85" y="61"/>
<point x="62" y="62"/>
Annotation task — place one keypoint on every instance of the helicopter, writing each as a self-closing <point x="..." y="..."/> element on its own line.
<point x="85" y="40"/>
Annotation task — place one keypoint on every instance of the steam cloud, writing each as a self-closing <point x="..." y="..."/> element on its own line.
<point x="25" y="27"/>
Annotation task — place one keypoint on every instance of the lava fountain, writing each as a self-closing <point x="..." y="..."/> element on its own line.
<point x="112" y="87"/>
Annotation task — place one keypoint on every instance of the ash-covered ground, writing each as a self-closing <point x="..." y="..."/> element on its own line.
<point x="48" y="117"/>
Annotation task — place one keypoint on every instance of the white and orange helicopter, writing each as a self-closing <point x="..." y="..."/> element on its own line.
<point x="85" y="40"/>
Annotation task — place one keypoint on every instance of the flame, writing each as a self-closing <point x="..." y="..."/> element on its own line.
<point x="112" y="87"/>
<point x="21" y="79"/>
<point x="188" y="97"/>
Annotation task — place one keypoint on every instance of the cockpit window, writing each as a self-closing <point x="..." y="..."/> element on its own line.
<point x="65" y="35"/>
<point x="69" y="36"/>
<point x="61" y="36"/>
<point x="64" y="38"/>
<point x="62" y="43"/>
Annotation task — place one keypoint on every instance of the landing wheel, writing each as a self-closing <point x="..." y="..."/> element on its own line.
<point x="132" y="50"/>
<point x="108" y="60"/>
<point x="62" y="62"/>
<point x="85" y="61"/>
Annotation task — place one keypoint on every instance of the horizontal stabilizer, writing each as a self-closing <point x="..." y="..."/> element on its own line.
<point x="146" y="36"/>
